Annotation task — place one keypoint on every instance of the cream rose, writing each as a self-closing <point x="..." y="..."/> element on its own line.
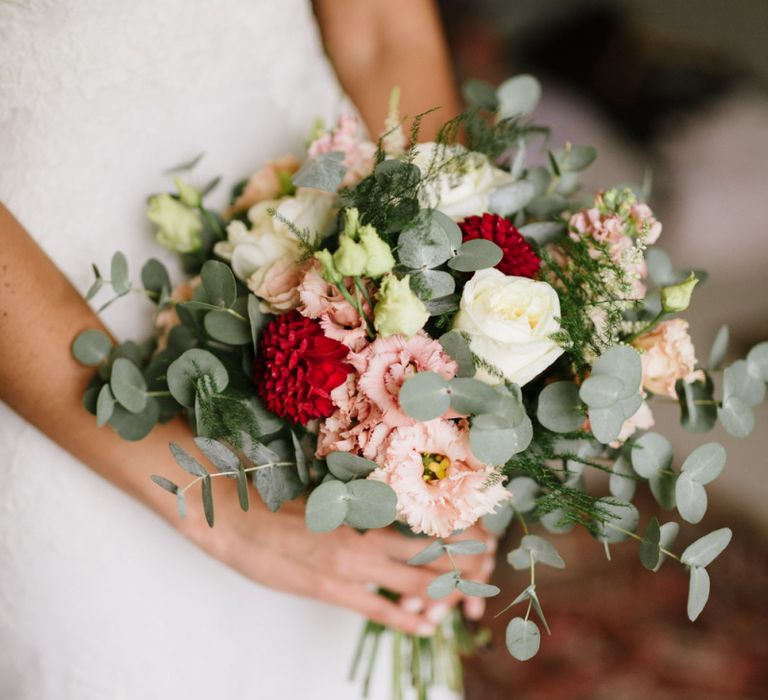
<point x="458" y="182"/>
<point x="509" y="321"/>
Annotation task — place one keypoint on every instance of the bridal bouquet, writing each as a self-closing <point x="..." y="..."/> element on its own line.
<point x="431" y="334"/>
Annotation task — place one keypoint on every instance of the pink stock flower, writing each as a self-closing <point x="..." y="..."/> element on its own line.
<point x="645" y="223"/>
<point x="667" y="355"/>
<point x="385" y="364"/>
<point x="339" y="319"/>
<point x="440" y="485"/>
<point x="346" y="137"/>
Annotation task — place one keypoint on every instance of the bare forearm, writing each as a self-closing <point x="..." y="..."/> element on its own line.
<point x="40" y="314"/>
<point x="377" y="44"/>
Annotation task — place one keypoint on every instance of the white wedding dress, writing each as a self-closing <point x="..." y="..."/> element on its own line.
<point x="99" y="598"/>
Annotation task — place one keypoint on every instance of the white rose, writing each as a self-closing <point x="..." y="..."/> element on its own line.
<point x="509" y="321"/>
<point x="461" y="181"/>
<point x="270" y="238"/>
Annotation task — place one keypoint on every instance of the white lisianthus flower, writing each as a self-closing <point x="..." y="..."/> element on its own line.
<point x="270" y="238"/>
<point x="458" y="182"/>
<point x="509" y="321"/>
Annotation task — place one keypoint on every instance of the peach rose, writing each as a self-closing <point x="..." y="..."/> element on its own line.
<point x="277" y="285"/>
<point x="667" y="355"/>
<point x="267" y="183"/>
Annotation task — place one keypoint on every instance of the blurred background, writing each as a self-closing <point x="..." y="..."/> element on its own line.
<point x="679" y="87"/>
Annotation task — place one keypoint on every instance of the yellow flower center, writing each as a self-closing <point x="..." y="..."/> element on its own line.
<point x="435" y="466"/>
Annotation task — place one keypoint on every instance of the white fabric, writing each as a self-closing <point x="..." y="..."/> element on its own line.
<point x="99" y="599"/>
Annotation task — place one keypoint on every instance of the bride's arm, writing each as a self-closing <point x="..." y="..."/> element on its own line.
<point x="377" y="44"/>
<point x="40" y="314"/>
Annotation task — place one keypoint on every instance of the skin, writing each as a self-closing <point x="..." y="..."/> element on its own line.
<point x="44" y="384"/>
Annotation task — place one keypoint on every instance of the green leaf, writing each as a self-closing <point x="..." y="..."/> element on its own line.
<point x="508" y="199"/>
<point x="91" y="347"/>
<point x="494" y="439"/>
<point x="346" y="466"/>
<point x="575" y="158"/>
<point x="302" y="466"/>
<point x="184" y="374"/>
<point x="738" y="382"/>
<point x="651" y="454"/>
<point x="706" y="549"/>
<point x="543" y="232"/>
<point x="663" y="489"/>
<point x="186" y="461"/>
<point x="757" y="361"/>
<point x="622" y="483"/>
<point x="559" y="408"/>
<point x="480" y="93"/>
<point x="371" y="504"/>
<point x="476" y="254"/>
<point x="542" y="551"/>
<point x="553" y="522"/>
<point x="472" y="397"/>
<point x="119" y="274"/>
<point x="698" y="411"/>
<point x="134" y="426"/>
<point x="188" y="165"/>
<point x="524" y="491"/>
<point x="546" y="206"/>
<point x="466" y="547"/>
<point x="660" y="268"/>
<point x="518" y="96"/>
<point x="396" y="174"/>
<point x="94" y="289"/>
<point x="621" y="362"/>
<point x="649" y="547"/>
<point x="105" y="406"/>
<point x="691" y="499"/>
<point x="698" y="592"/>
<point x="430" y="553"/>
<point x="277" y="484"/>
<point x="164" y="483"/>
<point x="605" y="424"/>
<point x="424" y="244"/>
<point x="719" y="348"/>
<point x="449" y="226"/>
<point x="207" y="495"/>
<point x="601" y="391"/>
<point x="523" y="638"/>
<point x="668" y="535"/>
<point x="154" y="277"/>
<point x="227" y="328"/>
<point x="219" y="283"/>
<point x="457" y="347"/>
<point x="243" y="495"/>
<point x="435" y="283"/>
<point x="327" y="506"/>
<point x="620" y="514"/>
<point x="424" y="396"/>
<point x="325" y="172"/>
<point x="498" y="521"/>
<point x="255" y="318"/>
<point x="128" y="385"/>
<point x="222" y="457"/>
<point x="475" y="588"/>
<point x="705" y="463"/>
<point x="736" y="417"/>
<point x="443" y="585"/>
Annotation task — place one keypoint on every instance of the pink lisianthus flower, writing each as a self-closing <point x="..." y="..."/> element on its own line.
<point x="440" y="485"/>
<point x="667" y="354"/>
<point x="385" y="364"/>
<point x="346" y="137"/>
<point x="339" y="319"/>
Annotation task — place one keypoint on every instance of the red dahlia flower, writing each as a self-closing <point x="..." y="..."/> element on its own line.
<point x="520" y="260"/>
<point x="297" y="367"/>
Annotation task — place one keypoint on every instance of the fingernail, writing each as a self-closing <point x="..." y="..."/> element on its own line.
<point x="490" y="545"/>
<point x="474" y="608"/>
<point x="437" y="612"/>
<point x="425" y="630"/>
<point x="412" y="605"/>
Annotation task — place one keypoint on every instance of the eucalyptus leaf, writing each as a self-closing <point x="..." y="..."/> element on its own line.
<point x="185" y="372"/>
<point x="554" y="522"/>
<point x="543" y="232"/>
<point x="691" y="499"/>
<point x="649" y="547"/>
<point x="706" y="549"/>
<point x="621" y="362"/>
<point x="698" y="592"/>
<point x="457" y="348"/>
<point x="119" y="274"/>
<point x="475" y="588"/>
<point x="518" y="96"/>
<point x="134" y="426"/>
<point x="128" y="385"/>
<point x="207" y="496"/>
<point x="327" y="506"/>
<point x="466" y="547"/>
<point x="480" y="93"/>
<point x="471" y="396"/>
<point x="719" y="348"/>
<point x="547" y="205"/>
<point x="601" y="391"/>
<point x="105" y="406"/>
<point x="424" y="396"/>
<point x="524" y="491"/>
<point x="302" y="463"/>
<point x="443" y="305"/>
<point x="667" y="536"/>
<point x="449" y="226"/>
<point x="559" y="408"/>
<point x="218" y="280"/>
<point x="91" y="347"/>
<point x="222" y="457"/>
<point x="508" y="199"/>
<point x="476" y="254"/>
<point x="543" y="551"/>
<point x="243" y="495"/>
<point x="324" y="172"/>
<point x="276" y="484"/>
<point x="660" y="267"/>
<point x="255" y="319"/>
<point x="186" y="461"/>
<point x="523" y="638"/>
<point x="698" y="410"/>
<point x="575" y="158"/>
<point x="651" y="454"/>
<point x="739" y="382"/>
<point x="430" y="553"/>
<point x="371" y="504"/>
<point x="498" y="521"/>
<point x="605" y="423"/>
<point x="662" y="487"/>
<point x="519" y="559"/>
<point x="443" y="585"/>
<point x="736" y="417"/>
<point x="622" y="483"/>
<point x="346" y="466"/>
<point x="164" y="483"/>
<point x="494" y="440"/>
<point x="620" y="516"/>
<point x="436" y="283"/>
<point x="424" y="244"/>
<point x="95" y="288"/>
<point x="154" y="277"/>
<point x="705" y="463"/>
<point x="227" y="328"/>
<point x="757" y="361"/>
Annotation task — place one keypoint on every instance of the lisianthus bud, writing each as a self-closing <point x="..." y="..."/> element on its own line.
<point x="330" y="273"/>
<point x="380" y="259"/>
<point x="188" y="194"/>
<point x="350" y="257"/>
<point x="352" y="222"/>
<point x="398" y="311"/>
<point x="677" y="297"/>
<point x="178" y="227"/>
